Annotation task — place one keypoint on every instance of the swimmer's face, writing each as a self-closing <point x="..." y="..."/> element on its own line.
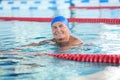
<point x="60" y="31"/>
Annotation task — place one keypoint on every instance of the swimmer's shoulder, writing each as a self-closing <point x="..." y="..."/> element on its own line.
<point x="76" y="41"/>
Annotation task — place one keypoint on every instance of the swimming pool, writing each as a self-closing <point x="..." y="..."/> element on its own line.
<point x="99" y="38"/>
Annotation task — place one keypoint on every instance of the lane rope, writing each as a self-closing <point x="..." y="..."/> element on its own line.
<point x="80" y="20"/>
<point x="98" y="58"/>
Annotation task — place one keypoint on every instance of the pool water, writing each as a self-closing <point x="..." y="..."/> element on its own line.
<point x="99" y="38"/>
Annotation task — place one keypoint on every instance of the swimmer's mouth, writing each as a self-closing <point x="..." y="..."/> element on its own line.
<point x="59" y="33"/>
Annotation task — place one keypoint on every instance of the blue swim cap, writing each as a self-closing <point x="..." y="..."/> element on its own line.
<point x="60" y="19"/>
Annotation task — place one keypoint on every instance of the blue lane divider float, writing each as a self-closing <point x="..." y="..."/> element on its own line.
<point x="33" y="8"/>
<point x="85" y="1"/>
<point x="68" y="1"/>
<point x="37" y="2"/>
<point x="23" y="2"/>
<point x="52" y="8"/>
<point x="1" y="8"/>
<point x="15" y="8"/>
<point x="100" y="1"/>
<point x="104" y="1"/>
<point x="11" y="2"/>
<point x="52" y="2"/>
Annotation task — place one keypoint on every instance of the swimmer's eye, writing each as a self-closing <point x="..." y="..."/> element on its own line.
<point x="54" y="27"/>
<point x="60" y="25"/>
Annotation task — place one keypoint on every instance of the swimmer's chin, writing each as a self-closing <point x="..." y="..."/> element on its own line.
<point x="59" y="38"/>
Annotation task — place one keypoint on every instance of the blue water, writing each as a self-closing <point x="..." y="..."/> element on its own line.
<point x="17" y="65"/>
<point x="98" y="38"/>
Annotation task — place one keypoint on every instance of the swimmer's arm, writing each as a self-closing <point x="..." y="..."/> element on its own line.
<point x="77" y="42"/>
<point x="29" y="45"/>
<point x="45" y="41"/>
<point x="40" y="43"/>
<point x="33" y="44"/>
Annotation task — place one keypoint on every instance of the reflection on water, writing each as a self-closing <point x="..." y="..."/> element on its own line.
<point x="19" y="65"/>
<point x="15" y="66"/>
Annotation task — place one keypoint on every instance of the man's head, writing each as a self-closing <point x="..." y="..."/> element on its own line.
<point x="60" y="29"/>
